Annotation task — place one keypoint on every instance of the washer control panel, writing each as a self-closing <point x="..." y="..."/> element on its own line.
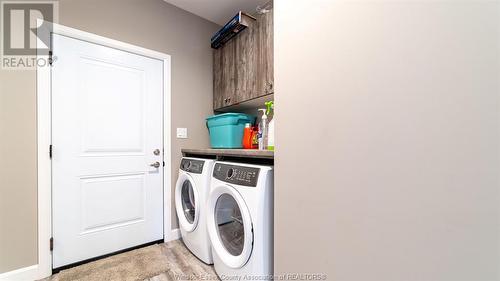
<point x="192" y="166"/>
<point x="240" y="175"/>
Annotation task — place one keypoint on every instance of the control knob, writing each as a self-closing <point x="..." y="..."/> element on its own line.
<point x="230" y="173"/>
<point x="186" y="165"/>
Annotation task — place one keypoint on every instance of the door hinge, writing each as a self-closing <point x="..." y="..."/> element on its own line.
<point x="51" y="243"/>
<point x="163" y="163"/>
<point x="50" y="151"/>
<point x="50" y="58"/>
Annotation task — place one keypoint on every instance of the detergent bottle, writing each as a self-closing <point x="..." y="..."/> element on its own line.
<point x="270" y="131"/>
<point x="263" y="130"/>
<point x="247" y="136"/>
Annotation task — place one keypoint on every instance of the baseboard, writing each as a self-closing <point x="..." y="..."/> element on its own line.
<point x="28" y="273"/>
<point x="174" y="235"/>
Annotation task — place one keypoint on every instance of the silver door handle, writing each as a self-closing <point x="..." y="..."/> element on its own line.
<point x="155" y="164"/>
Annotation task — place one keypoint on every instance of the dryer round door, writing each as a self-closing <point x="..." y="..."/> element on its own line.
<point x="229" y="226"/>
<point x="186" y="200"/>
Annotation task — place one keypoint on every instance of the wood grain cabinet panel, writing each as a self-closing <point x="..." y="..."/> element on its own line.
<point x="243" y="67"/>
<point x="246" y="64"/>
<point x="218" y="81"/>
<point x="229" y="67"/>
<point x="265" y="55"/>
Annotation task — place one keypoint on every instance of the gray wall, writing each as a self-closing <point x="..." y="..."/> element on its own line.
<point x="152" y="24"/>
<point x="18" y="201"/>
<point x="389" y="112"/>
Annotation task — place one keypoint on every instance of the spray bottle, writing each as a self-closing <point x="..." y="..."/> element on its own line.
<point x="270" y="133"/>
<point x="263" y="130"/>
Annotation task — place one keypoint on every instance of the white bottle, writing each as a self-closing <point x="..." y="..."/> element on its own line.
<point x="263" y="130"/>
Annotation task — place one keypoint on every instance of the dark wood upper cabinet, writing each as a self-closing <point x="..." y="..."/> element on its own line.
<point x="243" y="67"/>
<point x="266" y="54"/>
<point x="218" y="82"/>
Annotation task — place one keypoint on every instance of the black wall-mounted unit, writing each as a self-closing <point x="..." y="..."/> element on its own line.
<point x="233" y="27"/>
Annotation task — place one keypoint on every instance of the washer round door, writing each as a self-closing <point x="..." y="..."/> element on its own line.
<point x="229" y="226"/>
<point x="186" y="198"/>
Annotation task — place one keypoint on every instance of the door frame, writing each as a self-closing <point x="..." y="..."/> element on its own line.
<point x="44" y="132"/>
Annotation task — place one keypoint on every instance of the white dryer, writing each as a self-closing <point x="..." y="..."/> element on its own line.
<point x="191" y="194"/>
<point x="240" y="220"/>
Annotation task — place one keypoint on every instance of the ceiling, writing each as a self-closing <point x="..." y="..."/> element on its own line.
<point x="218" y="11"/>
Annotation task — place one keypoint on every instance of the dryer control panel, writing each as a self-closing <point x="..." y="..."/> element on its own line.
<point x="240" y="175"/>
<point x="192" y="166"/>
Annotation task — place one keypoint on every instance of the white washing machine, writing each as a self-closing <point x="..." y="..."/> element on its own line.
<point x="240" y="220"/>
<point x="191" y="194"/>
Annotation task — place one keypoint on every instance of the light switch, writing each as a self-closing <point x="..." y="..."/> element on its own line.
<point x="182" y="133"/>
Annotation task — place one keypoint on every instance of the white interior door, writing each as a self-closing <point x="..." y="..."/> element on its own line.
<point x="106" y="125"/>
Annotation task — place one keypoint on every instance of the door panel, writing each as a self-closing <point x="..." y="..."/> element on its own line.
<point x="228" y="72"/>
<point x="229" y="226"/>
<point x="123" y="130"/>
<point x="218" y="79"/>
<point x="265" y="55"/>
<point x="186" y="200"/>
<point x="106" y="122"/>
<point x="246" y="64"/>
<point x="127" y="206"/>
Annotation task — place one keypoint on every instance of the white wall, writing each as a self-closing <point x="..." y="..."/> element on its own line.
<point x="387" y="139"/>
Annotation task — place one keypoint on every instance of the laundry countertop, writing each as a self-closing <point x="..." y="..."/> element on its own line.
<point x="245" y="153"/>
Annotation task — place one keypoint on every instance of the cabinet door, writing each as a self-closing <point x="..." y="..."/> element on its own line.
<point x="265" y="56"/>
<point x="218" y="79"/>
<point x="229" y="67"/>
<point x="246" y="64"/>
<point x="243" y="67"/>
<point x="225" y="79"/>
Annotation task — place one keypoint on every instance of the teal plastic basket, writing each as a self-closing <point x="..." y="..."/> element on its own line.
<point x="226" y="130"/>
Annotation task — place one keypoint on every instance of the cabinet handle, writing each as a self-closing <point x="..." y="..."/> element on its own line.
<point x="269" y="87"/>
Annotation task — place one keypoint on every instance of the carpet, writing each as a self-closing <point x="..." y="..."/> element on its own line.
<point x="160" y="262"/>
